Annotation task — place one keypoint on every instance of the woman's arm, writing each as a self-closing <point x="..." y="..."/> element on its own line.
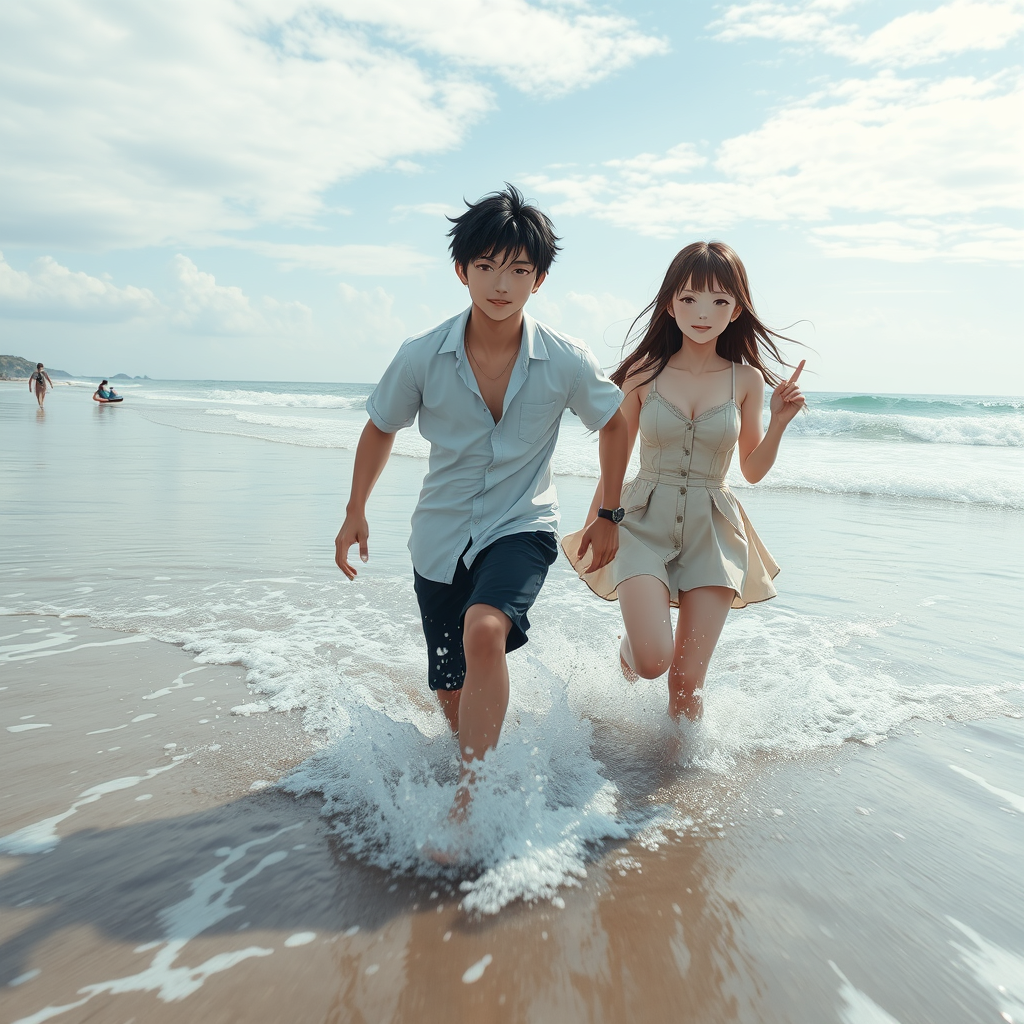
<point x="630" y="410"/>
<point x="758" y="451"/>
<point x="47" y="376"/>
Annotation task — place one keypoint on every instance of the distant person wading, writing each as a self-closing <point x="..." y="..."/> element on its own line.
<point x="40" y="380"/>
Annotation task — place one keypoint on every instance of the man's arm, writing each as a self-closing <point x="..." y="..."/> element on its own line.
<point x="602" y="534"/>
<point x="371" y="457"/>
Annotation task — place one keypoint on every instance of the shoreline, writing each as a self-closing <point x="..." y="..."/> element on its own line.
<point x="210" y="900"/>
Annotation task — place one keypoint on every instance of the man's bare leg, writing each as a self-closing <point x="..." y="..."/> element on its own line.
<point x="484" y="700"/>
<point x="449" y="701"/>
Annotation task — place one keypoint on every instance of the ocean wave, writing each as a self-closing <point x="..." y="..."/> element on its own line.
<point x="922" y="405"/>
<point x="563" y="781"/>
<point x="823" y="463"/>
<point x="294" y="400"/>
<point x="1003" y="431"/>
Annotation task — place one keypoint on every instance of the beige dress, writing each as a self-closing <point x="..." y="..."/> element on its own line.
<point x="683" y="524"/>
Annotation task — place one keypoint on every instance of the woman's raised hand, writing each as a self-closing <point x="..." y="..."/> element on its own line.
<point x="787" y="400"/>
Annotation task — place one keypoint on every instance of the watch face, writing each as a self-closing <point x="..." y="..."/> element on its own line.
<point x="618" y="515"/>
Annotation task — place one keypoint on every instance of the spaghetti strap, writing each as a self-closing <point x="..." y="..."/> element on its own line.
<point x="733" y="365"/>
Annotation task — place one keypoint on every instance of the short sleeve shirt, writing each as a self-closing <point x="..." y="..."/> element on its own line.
<point x="486" y="480"/>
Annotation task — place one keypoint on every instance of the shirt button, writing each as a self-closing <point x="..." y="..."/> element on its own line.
<point x="682" y="490"/>
<point x="490" y="469"/>
<point x="476" y="522"/>
<point x="679" y="519"/>
<point x="686" y="451"/>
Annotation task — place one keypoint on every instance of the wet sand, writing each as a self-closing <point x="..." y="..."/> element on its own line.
<point x="862" y="884"/>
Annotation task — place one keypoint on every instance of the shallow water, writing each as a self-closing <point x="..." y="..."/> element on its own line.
<point x="204" y="515"/>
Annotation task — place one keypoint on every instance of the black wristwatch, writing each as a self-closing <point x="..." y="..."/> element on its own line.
<point x="616" y="515"/>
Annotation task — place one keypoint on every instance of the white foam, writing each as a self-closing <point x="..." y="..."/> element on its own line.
<point x="22" y="978"/>
<point x="53" y="645"/>
<point x="476" y="972"/>
<point x="1002" y="431"/>
<point x="299" y="939"/>
<point x="353" y="660"/>
<point x="28" y="726"/>
<point x="178" y="684"/>
<point x="1015" y="801"/>
<point x="999" y="971"/>
<point x="41" y="836"/>
<point x="859" y="1008"/>
<point x="243" y="396"/>
<point x="208" y="903"/>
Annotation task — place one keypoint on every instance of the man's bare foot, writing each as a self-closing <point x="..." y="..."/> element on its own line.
<point x="446" y="854"/>
<point x="454" y="851"/>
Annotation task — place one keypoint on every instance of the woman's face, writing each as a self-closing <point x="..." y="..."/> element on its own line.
<point x="703" y="315"/>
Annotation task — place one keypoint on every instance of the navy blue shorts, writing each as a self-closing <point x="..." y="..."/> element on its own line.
<point x="507" y="575"/>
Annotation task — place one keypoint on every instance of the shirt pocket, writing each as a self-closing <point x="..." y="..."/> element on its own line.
<point x="534" y="420"/>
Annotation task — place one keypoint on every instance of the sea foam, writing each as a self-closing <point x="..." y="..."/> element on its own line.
<point x="564" y="780"/>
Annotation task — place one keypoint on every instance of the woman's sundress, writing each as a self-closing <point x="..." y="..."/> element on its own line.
<point x="683" y="524"/>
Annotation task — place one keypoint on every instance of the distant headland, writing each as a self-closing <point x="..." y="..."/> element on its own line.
<point x="19" y="368"/>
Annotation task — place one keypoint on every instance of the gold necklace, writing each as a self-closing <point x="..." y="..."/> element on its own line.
<point x="476" y="361"/>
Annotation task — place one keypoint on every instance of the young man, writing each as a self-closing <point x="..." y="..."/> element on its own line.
<point x="489" y="387"/>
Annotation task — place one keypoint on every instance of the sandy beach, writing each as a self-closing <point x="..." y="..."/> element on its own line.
<point x="828" y="887"/>
<point x="204" y="813"/>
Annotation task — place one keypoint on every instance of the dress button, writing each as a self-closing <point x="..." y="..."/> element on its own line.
<point x="686" y="451"/>
<point x="682" y="490"/>
<point x="679" y="519"/>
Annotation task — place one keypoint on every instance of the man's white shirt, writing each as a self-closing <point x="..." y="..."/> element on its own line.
<point x="486" y="480"/>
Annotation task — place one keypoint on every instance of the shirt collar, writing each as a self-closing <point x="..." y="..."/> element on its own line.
<point x="455" y="339"/>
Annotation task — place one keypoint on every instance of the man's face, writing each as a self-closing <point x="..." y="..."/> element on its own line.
<point x="500" y="285"/>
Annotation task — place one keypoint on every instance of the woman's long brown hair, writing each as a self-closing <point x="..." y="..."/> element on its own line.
<point x="702" y="266"/>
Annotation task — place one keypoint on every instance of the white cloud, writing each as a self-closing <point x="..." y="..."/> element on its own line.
<point x="917" y="239"/>
<point x="885" y="148"/>
<point x="920" y="37"/>
<point x="130" y="124"/>
<point x="50" y="291"/>
<point x="536" y="47"/>
<point x="601" y="319"/>
<point x="377" y="260"/>
<point x="368" y="317"/>
<point x="204" y="307"/>
<point x="428" y="210"/>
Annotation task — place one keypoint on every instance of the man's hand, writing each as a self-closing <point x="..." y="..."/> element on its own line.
<point x="355" y="530"/>
<point x="603" y="536"/>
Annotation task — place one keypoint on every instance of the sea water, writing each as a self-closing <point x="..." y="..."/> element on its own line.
<point x="203" y="514"/>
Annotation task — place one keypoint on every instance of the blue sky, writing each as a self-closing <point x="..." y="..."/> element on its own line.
<point x="241" y="189"/>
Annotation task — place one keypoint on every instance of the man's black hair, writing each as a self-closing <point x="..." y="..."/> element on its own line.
<point x="503" y="222"/>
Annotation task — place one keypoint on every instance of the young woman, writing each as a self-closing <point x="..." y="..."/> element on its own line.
<point x="694" y="391"/>
<point x="39" y="380"/>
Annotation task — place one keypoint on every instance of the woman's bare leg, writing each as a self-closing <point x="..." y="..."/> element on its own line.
<point x="702" y="614"/>
<point x="646" y="647"/>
